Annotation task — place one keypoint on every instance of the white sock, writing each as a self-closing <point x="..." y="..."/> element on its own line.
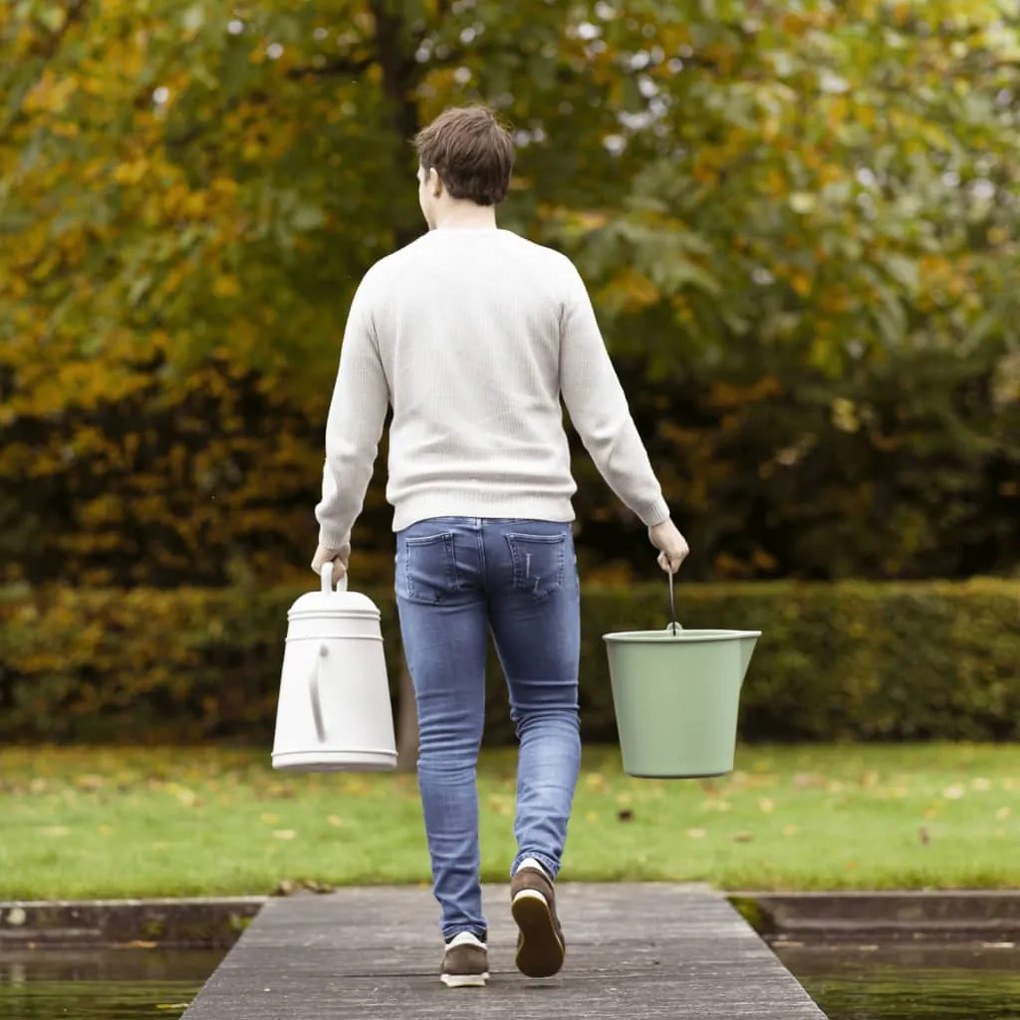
<point x="530" y="862"/>
<point x="465" y="938"/>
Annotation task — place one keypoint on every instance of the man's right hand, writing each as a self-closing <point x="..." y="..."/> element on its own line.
<point x="672" y="546"/>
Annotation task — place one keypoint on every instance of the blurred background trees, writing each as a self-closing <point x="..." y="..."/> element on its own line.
<point x="799" y="223"/>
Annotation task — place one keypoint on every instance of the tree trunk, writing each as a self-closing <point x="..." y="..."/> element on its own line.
<point x="401" y="74"/>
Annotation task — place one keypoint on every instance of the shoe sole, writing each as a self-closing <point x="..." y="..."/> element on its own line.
<point x="464" y="980"/>
<point x="541" y="951"/>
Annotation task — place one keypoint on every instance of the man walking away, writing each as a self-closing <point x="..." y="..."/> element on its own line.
<point x="473" y="335"/>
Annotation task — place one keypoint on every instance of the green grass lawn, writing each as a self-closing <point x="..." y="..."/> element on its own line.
<point x="112" y="822"/>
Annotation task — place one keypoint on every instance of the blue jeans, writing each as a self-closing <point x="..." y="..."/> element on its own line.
<point x="457" y="578"/>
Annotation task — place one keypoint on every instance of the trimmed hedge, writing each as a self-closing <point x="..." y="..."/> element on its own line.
<point x="835" y="661"/>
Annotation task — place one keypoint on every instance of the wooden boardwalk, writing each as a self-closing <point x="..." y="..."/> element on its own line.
<point x="633" y="951"/>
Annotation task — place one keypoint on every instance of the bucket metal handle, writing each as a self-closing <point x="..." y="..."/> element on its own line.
<point x="672" y="607"/>
<point x="316" y="695"/>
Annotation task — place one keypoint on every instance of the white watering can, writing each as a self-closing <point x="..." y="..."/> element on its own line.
<point x="334" y="712"/>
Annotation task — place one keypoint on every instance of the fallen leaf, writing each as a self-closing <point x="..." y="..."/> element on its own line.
<point x="499" y="805"/>
<point x="954" y="792"/>
<point x="336" y="821"/>
<point x="981" y="783"/>
<point x="716" y="805"/>
<point x="743" y="837"/>
<point x="1003" y="812"/>
<point x="284" y="834"/>
<point x="625" y="815"/>
<point x="182" y="794"/>
<point x="805" y="780"/>
<point x="696" y="833"/>
<point x="766" y="806"/>
<point x="293" y="887"/>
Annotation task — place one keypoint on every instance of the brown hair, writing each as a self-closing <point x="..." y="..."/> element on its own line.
<point x="471" y="151"/>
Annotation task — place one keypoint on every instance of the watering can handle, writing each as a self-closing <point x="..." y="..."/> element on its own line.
<point x="326" y="576"/>
<point x="672" y="606"/>
<point x="313" y="688"/>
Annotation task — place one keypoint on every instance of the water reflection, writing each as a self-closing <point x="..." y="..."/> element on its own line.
<point x="889" y="982"/>
<point x="978" y="981"/>
<point x="101" y="984"/>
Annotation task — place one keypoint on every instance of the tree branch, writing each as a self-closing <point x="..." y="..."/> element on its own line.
<point x="75" y="12"/>
<point x="340" y="66"/>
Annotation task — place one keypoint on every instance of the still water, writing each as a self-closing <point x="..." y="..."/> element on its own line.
<point x="102" y="984"/>
<point x="892" y="982"/>
<point x="970" y="982"/>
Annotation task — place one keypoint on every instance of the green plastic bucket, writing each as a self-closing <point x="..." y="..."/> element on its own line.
<point x="676" y="694"/>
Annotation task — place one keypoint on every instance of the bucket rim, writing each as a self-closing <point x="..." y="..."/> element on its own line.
<point x="690" y="636"/>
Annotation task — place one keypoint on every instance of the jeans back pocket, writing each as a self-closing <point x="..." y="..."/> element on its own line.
<point x="539" y="563"/>
<point x="429" y="572"/>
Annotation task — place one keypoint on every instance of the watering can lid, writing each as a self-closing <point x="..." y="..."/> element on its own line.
<point x="330" y="601"/>
<point x="334" y="603"/>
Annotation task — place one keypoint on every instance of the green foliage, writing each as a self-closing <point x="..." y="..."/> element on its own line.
<point x="845" y="661"/>
<point x="851" y="661"/>
<point x="845" y="175"/>
<point x="800" y="226"/>
<point x="213" y="487"/>
<point x="904" y="470"/>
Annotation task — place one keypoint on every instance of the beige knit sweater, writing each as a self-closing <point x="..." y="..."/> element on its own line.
<point x="473" y="336"/>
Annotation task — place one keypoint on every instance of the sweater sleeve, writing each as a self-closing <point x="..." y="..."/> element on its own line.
<point x="354" y="426"/>
<point x="599" y="411"/>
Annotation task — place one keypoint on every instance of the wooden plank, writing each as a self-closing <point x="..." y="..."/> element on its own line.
<point x="636" y="951"/>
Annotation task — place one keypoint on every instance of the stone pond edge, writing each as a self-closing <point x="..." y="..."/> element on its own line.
<point x="216" y="922"/>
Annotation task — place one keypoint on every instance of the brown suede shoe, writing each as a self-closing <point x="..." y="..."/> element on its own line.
<point x="540" y="944"/>
<point x="465" y="963"/>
